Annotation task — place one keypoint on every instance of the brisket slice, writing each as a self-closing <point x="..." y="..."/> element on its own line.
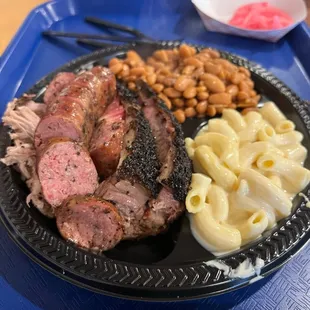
<point x="134" y="182"/>
<point x="175" y="171"/>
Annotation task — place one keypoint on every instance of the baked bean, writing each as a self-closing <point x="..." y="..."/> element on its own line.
<point x="125" y="72"/>
<point x="202" y="95"/>
<point x="232" y="106"/>
<point x="158" y="87"/>
<point x="171" y="54"/>
<point x="243" y="86"/>
<point x="164" y="71"/>
<point x="113" y="62"/>
<point x="211" y="111"/>
<point x="190" y="112"/>
<point x="213" y="83"/>
<point x="245" y="71"/>
<point x="211" y="52"/>
<point x="243" y="76"/>
<point x="201" y="88"/>
<point x="226" y="64"/>
<point x="201" y="83"/>
<point x="198" y="72"/>
<point x="185" y="51"/>
<point x="222" y="75"/>
<point x="248" y="103"/>
<point x="219" y="109"/>
<point x="151" y="79"/>
<point x="130" y="78"/>
<point x="247" y="110"/>
<point x="194" y="51"/>
<point x="131" y="85"/>
<point x="160" y="78"/>
<point x="176" y="51"/>
<point x="214" y="53"/>
<point x="188" y="70"/>
<point x="179" y="115"/>
<point x="117" y="68"/>
<point x="257" y="98"/>
<point x="232" y="90"/>
<point x="137" y="71"/>
<point x="193" y="83"/>
<point x="172" y="93"/>
<point x="172" y="65"/>
<point x="192" y="61"/>
<point x="143" y="78"/>
<point x="178" y="70"/>
<point x="253" y="93"/>
<point x="132" y="63"/>
<point x="204" y="57"/>
<point x="149" y="69"/>
<point x="227" y="75"/>
<point x="178" y="102"/>
<point x="156" y="64"/>
<point x="220" y="99"/>
<point x="166" y="100"/>
<point x="236" y="78"/>
<point x="169" y="81"/>
<point x="190" y="92"/>
<point x="250" y="83"/>
<point x="201" y="107"/>
<point x="133" y="55"/>
<point x="242" y="95"/>
<point x="191" y="102"/>
<point x="212" y="68"/>
<point x="182" y="83"/>
<point x="161" y="55"/>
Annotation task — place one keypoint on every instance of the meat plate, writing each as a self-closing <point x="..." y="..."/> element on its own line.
<point x="171" y="266"/>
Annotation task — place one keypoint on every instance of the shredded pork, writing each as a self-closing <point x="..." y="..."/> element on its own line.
<point x="22" y="116"/>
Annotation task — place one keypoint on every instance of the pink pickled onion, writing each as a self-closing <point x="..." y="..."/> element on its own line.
<point x="260" y="16"/>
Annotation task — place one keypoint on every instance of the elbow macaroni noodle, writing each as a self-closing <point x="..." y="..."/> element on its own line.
<point x="247" y="170"/>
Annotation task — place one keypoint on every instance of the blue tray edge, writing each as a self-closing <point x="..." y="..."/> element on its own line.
<point x="301" y="34"/>
<point x="23" y="27"/>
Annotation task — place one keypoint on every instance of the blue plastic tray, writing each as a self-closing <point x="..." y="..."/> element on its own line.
<point x="23" y="284"/>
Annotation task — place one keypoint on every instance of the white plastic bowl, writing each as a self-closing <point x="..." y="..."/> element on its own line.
<point x="216" y="14"/>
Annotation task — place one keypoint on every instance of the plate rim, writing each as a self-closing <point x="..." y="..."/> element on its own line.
<point x="171" y="276"/>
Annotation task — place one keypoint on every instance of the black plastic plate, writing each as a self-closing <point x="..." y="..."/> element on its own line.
<point x="170" y="266"/>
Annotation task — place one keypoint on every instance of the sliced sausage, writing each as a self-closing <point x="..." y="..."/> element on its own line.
<point x="75" y="110"/>
<point x="65" y="169"/>
<point x="71" y="114"/>
<point x="90" y="223"/>
<point x="65" y="117"/>
<point x="108" y="87"/>
<point x="107" y="140"/>
<point x="60" y="81"/>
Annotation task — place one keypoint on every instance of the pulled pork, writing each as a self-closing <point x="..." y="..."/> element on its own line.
<point x="22" y="116"/>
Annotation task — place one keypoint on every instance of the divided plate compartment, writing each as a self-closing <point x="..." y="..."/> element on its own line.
<point x="170" y="266"/>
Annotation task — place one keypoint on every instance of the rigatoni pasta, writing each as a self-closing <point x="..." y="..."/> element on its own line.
<point x="195" y="199"/>
<point x="253" y="166"/>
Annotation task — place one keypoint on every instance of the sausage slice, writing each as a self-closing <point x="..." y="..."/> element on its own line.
<point x="60" y="81"/>
<point x="77" y="107"/>
<point x="65" y="169"/>
<point x="71" y="114"/>
<point x="90" y="222"/>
